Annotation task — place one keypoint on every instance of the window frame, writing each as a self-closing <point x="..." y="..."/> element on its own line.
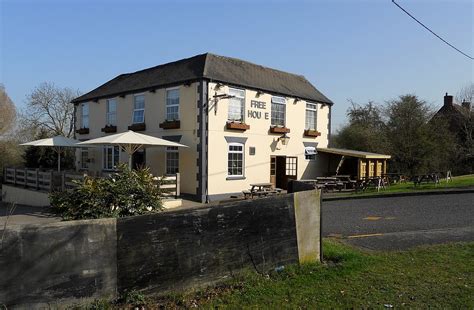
<point x="138" y="110"/>
<point x="274" y="101"/>
<point x="108" y="113"/>
<point x="242" y="152"/>
<point x="242" y="101"/>
<point x="115" y="157"/>
<point x="311" y="110"/>
<point x="310" y="157"/>
<point x="85" y="116"/>
<point x="171" y="150"/>
<point x="84" y="162"/>
<point x="172" y="105"/>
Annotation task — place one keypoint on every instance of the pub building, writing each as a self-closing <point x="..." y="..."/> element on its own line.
<point x="243" y="123"/>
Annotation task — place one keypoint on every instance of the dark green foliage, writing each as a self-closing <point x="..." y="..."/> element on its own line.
<point x="46" y="157"/>
<point x="403" y="130"/>
<point x="124" y="193"/>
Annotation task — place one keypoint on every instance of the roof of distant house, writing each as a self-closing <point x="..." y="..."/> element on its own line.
<point x="212" y="67"/>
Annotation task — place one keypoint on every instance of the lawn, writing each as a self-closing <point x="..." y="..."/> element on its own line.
<point x="464" y="181"/>
<point x="439" y="276"/>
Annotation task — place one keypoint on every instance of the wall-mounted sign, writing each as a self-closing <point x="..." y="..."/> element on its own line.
<point x="255" y="106"/>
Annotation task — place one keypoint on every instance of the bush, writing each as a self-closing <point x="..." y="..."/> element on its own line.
<point x="124" y="193"/>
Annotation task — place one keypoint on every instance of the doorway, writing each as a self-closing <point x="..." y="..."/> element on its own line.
<point x="283" y="169"/>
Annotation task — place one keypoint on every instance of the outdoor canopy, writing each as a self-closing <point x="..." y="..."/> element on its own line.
<point x="56" y="143"/>
<point x="130" y="142"/>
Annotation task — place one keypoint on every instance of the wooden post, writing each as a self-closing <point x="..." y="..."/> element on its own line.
<point x="178" y="181"/>
<point x="63" y="181"/>
<point x="367" y="168"/>
<point x="51" y="179"/>
<point x="37" y="178"/>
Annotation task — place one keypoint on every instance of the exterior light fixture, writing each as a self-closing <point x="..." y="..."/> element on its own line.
<point x="284" y="139"/>
<point x="259" y="93"/>
<point x="218" y="86"/>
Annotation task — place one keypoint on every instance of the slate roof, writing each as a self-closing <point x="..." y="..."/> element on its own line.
<point x="212" y="67"/>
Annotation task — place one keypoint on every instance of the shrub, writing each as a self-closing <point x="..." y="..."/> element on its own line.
<point x="124" y="193"/>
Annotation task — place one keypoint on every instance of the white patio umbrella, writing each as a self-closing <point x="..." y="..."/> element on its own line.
<point x="56" y="143"/>
<point x="130" y="142"/>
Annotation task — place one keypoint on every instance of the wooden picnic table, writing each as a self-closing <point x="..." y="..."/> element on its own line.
<point x="261" y="189"/>
<point x="430" y="177"/>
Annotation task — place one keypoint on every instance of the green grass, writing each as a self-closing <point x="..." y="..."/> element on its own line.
<point x="427" y="277"/>
<point x="408" y="187"/>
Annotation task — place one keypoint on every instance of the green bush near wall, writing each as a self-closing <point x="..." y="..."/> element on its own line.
<point x="124" y="193"/>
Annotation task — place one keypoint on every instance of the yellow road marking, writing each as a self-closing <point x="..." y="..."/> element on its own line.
<point x="372" y="218"/>
<point x="363" y="236"/>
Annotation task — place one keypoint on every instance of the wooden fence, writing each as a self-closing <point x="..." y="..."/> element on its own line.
<point x="53" y="180"/>
<point x="169" y="186"/>
<point x="40" y="180"/>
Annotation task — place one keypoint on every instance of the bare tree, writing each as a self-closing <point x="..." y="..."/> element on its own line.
<point x="49" y="107"/>
<point x="466" y="93"/>
<point x="7" y="111"/>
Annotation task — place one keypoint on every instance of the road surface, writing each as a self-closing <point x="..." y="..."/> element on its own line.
<point x="400" y="222"/>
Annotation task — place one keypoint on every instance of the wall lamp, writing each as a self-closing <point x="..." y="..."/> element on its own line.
<point x="284" y="139"/>
<point x="218" y="86"/>
<point x="259" y="93"/>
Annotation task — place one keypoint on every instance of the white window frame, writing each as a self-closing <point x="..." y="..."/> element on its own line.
<point x="85" y="116"/>
<point x="84" y="159"/>
<point x="108" y="114"/>
<point x="278" y="101"/>
<point x="171" y="150"/>
<point x="311" y="110"/>
<point x="139" y="109"/>
<point x="237" y="92"/>
<point x="236" y="152"/>
<point x="115" y="152"/>
<point x="172" y="105"/>
<point x="310" y="153"/>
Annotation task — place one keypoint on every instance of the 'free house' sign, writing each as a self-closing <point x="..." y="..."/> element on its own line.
<point x="255" y="113"/>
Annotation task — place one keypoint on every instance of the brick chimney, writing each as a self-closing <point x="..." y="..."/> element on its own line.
<point x="466" y="105"/>
<point x="448" y="100"/>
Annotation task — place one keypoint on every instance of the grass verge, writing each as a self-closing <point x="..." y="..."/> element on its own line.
<point x="464" y="181"/>
<point x="440" y="276"/>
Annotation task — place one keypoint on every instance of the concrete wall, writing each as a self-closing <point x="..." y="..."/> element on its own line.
<point x="69" y="261"/>
<point x="58" y="263"/>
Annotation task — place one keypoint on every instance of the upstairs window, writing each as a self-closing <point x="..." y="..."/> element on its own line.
<point x="236" y="105"/>
<point x="172" y="104"/>
<point x="111" y="114"/>
<point x="111" y="157"/>
<point x="85" y="115"/>
<point x="139" y="109"/>
<point x="311" y="116"/>
<point x="235" y="159"/>
<point x="278" y="111"/>
<point x="172" y="160"/>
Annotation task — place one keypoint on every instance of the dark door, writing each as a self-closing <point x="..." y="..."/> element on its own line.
<point x="281" y="172"/>
<point x="138" y="159"/>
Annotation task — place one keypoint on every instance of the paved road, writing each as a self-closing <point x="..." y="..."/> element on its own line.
<point x="400" y="222"/>
<point x="24" y="215"/>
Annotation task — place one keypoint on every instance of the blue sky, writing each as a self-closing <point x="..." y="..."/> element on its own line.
<point x="359" y="50"/>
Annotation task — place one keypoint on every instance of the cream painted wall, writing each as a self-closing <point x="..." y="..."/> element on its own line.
<point x="155" y="113"/>
<point x="257" y="167"/>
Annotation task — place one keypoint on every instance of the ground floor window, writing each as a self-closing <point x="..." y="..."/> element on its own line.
<point x="111" y="157"/>
<point x="172" y="160"/>
<point x="235" y="159"/>
<point x="84" y="158"/>
<point x="310" y="153"/>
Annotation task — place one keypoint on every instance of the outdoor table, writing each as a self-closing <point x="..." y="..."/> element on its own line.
<point x="261" y="186"/>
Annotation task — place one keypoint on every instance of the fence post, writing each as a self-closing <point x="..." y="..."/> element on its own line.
<point x="51" y="180"/>
<point x="178" y="182"/>
<point x="37" y="178"/>
<point x="63" y="181"/>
